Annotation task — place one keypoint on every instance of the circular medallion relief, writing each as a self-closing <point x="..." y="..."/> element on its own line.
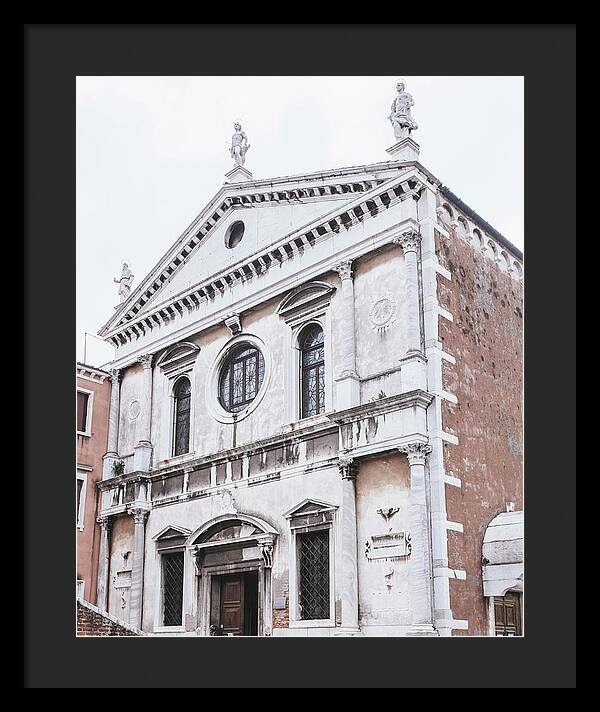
<point x="382" y="312"/>
<point x="135" y="408"/>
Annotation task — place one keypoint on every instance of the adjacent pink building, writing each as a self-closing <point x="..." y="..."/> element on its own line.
<point x="93" y="397"/>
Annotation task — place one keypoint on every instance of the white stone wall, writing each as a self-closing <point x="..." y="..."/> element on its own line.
<point x="384" y="593"/>
<point x="269" y="501"/>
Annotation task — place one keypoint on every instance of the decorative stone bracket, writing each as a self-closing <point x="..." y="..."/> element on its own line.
<point x="234" y="324"/>
<point x="266" y="546"/>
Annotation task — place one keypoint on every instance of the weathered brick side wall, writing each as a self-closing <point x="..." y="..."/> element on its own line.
<point x="92" y="622"/>
<point x="486" y="338"/>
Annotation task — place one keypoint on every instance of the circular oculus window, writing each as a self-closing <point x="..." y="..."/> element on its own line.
<point x="234" y="234"/>
<point x="241" y="377"/>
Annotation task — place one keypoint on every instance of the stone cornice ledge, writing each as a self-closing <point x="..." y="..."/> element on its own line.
<point x="222" y="456"/>
<point x="129" y="478"/>
<point x="410" y="399"/>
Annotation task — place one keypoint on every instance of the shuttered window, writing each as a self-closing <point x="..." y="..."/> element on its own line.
<point x="82" y="411"/>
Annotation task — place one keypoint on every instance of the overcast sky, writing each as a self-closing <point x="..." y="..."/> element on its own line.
<point x="152" y="151"/>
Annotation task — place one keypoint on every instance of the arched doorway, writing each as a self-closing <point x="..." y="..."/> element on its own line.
<point x="233" y="556"/>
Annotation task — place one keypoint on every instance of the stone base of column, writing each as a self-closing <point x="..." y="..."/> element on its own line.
<point x="347" y="632"/>
<point x="348" y="391"/>
<point x="142" y="457"/>
<point x="413" y="371"/>
<point x="418" y="631"/>
<point x="107" y="464"/>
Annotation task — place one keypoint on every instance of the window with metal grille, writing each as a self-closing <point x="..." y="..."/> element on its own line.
<point x="312" y="376"/>
<point x="241" y="378"/>
<point x="313" y="555"/>
<point x="172" y="565"/>
<point x="82" y="411"/>
<point x="181" y="414"/>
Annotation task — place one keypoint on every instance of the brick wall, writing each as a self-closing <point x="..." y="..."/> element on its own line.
<point x="92" y="622"/>
<point x="486" y="338"/>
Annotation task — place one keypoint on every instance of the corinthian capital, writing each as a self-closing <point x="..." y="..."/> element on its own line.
<point x="146" y="360"/>
<point x="105" y="522"/>
<point x="408" y="241"/>
<point x="416" y="452"/>
<point x="115" y="374"/>
<point x="344" y="269"/>
<point x="139" y="515"/>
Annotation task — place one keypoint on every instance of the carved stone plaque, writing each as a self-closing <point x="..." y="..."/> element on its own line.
<point x="382" y="313"/>
<point x="135" y="408"/>
<point x="393" y="545"/>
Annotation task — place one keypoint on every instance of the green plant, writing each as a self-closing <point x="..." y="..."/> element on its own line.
<point x="118" y="467"/>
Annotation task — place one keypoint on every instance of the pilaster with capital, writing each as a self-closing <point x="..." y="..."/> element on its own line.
<point x="348" y="390"/>
<point x="420" y="575"/>
<point x="113" y="424"/>
<point x="410" y="242"/>
<point x="103" y="562"/>
<point x="143" y="450"/>
<point x="137" y="566"/>
<point x="348" y="469"/>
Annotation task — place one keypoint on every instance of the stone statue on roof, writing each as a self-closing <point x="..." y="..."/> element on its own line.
<point x="124" y="281"/>
<point x="239" y="145"/>
<point x="401" y="120"/>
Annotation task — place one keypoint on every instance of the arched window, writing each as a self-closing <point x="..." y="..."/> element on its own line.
<point x="181" y="415"/>
<point x="312" y="370"/>
<point x="241" y="377"/>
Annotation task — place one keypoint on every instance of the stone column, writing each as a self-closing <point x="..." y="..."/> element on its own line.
<point x="113" y="425"/>
<point x="137" y="567"/>
<point x="410" y="241"/>
<point x="349" y="590"/>
<point x="143" y="450"/>
<point x="419" y="572"/>
<point x="103" y="562"/>
<point x="348" y="390"/>
<point x="266" y="546"/>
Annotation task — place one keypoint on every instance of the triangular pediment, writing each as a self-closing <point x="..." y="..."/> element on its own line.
<point x="309" y="506"/>
<point x="171" y="532"/>
<point x="270" y="210"/>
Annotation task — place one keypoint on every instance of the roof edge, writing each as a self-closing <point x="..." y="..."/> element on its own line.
<point x="475" y="217"/>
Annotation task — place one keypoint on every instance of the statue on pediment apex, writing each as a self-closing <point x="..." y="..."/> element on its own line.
<point x="400" y="116"/>
<point x="239" y="145"/>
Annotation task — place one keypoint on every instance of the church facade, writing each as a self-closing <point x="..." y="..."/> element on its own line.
<point x="316" y="413"/>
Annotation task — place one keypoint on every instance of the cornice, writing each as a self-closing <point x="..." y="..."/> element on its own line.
<point x="416" y="398"/>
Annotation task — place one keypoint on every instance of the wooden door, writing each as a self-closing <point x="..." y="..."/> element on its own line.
<point x="507" y="614"/>
<point x="232" y="605"/>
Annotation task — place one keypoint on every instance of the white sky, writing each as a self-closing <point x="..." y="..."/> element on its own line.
<point x="152" y="151"/>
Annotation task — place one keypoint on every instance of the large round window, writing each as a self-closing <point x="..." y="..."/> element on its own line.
<point x="234" y="234"/>
<point x="241" y="377"/>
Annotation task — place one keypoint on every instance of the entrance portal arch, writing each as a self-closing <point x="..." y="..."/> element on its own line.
<point x="233" y="559"/>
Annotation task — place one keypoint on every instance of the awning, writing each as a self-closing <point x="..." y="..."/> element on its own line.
<point x="503" y="554"/>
